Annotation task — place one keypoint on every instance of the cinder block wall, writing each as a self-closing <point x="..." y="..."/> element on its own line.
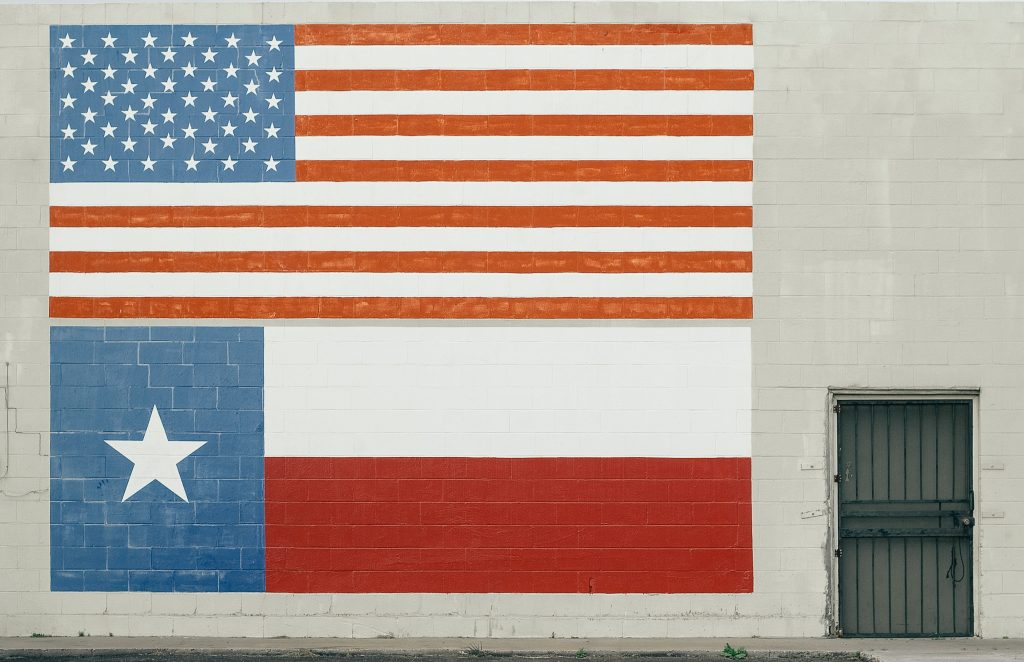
<point x="888" y="253"/>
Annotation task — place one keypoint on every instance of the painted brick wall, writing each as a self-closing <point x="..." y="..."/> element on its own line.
<point x="887" y="254"/>
<point x="206" y="384"/>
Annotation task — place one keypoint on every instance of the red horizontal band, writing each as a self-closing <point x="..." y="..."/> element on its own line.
<point x="508" y="524"/>
<point x="510" y="217"/>
<point x="402" y="308"/>
<point x="524" y="79"/>
<point x="524" y="125"/>
<point x="523" y="171"/>
<point x="524" y="34"/>
<point x="397" y="262"/>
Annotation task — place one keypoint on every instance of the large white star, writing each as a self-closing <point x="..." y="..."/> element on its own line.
<point x="155" y="458"/>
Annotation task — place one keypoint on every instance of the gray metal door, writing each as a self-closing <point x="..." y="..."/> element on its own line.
<point x="906" y="508"/>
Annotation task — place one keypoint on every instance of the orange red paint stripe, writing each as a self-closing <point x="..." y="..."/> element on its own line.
<point x="397" y="262"/>
<point x="523" y="171"/>
<point x="523" y="79"/>
<point x="402" y="308"/>
<point x="385" y="216"/>
<point x="524" y="125"/>
<point x="733" y="34"/>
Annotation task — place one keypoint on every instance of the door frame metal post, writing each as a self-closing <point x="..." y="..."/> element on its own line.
<point x="836" y="395"/>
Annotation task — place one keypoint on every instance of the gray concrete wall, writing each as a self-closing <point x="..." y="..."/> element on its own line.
<point x="889" y="253"/>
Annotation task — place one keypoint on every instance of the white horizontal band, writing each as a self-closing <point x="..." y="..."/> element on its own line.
<point x="399" y="285"/>
<point x="525" y="57"/>
<point x="531" y="102"/>
<point x="509" y="391"/>
<point x="501" y="194"/>
<point x="570" y="148"/>
<point x="613" y="239"/>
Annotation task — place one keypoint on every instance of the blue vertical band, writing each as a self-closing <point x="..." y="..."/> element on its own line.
<point x="207" y="385"/>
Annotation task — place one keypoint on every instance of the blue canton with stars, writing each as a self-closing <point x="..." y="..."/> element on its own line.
<point x="163" y="103"/>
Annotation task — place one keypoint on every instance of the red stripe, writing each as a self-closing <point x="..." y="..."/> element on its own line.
<point x="524" y="34"/>
<point x="524" y="125"/>
<point x="521" y="217"/>
<point x="601" y="525"/>
<point x="523" y="171"/>
<point x="395" y="262"/>
<point x="402" y="308"/>
<point x="524" y="79"/>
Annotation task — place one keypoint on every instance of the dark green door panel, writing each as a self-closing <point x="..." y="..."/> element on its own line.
<point x="905" y="518"/>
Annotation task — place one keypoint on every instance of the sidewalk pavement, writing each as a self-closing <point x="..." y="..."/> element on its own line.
<point x="882" y="650"/>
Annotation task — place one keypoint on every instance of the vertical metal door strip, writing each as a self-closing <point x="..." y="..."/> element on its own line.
<point x="906" y="518"/>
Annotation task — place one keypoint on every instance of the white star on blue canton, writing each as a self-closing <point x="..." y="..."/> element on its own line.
<point x="155" y="458"/>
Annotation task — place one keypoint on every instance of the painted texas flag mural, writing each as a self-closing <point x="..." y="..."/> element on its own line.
<point x="378" y="172"/>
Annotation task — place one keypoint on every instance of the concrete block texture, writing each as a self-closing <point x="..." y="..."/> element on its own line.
<point x="888" y="254"/>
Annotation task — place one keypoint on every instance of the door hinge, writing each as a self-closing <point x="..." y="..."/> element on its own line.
<point x="836" y="478"/>
<point x="838" y="553"/>
<point x="836" y="407"/>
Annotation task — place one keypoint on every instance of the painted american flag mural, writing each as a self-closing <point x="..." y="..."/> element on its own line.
<point x="543" y="172"/>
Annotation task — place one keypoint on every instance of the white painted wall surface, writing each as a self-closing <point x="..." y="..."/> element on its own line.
<point x="507" y="391"/>
<point x="888" y="252"/>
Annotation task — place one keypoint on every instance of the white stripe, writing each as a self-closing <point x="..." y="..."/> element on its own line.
<point x="616" y="239"/>
<point x="532" y="102"/>
<point x="129" y="194"/>
<point x="507" y="391"/>
<point x="399" y="285"/>
<point x="570" y="148"/>
<point x="524" y="57"/>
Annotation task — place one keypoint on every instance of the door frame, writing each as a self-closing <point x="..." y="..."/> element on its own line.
<point x="835" y="395"/>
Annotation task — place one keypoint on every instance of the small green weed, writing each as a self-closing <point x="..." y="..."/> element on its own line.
<point x="734" y="653"/>
<point x="582" y="653"/>
<point x="36" y="635"/>
<point x="81" y="633"/>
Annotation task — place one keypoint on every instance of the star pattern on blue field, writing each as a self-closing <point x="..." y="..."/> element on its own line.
<point x="182" y="103"/>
